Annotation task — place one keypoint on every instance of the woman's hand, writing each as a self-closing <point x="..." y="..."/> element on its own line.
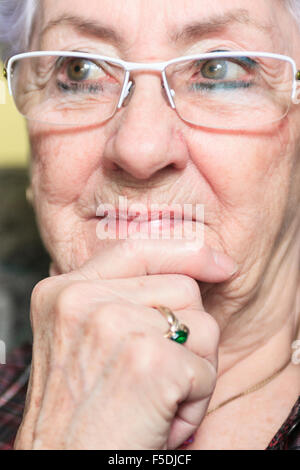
<point x="103" y="375"/>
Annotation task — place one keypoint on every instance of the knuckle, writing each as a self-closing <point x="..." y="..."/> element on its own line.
<point x="111" y="320"/>
<point x="134" y="249"/>
<point x="213" y="330"/>
<point x="142" y="355"/>
<point x="69" y="300"/>
<point x="112" y="310"/>
<point x="210" y="375"/>
<point x="205" y="373"/>
<point x="190" y="288"/>
<point x="210" y="337"/>
<point x="40" y="296"/>
<point x="40" y="291"/>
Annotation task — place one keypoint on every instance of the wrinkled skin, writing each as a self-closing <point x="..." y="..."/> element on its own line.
<point x="99" y="353"/>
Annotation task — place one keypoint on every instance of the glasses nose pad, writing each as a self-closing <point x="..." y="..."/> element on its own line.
<point x="128" y="93"/>
<point x="169" y="94"/>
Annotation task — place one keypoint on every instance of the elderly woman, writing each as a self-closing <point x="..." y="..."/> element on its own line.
<point x="165" y="179"/>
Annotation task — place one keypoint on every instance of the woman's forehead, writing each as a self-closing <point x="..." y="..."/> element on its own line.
<point x="149" y="21"/>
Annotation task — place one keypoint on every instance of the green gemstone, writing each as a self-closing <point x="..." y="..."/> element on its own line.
<point x="180" y="336"/>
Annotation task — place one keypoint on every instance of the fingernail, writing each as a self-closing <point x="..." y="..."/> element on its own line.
<point x="225" y="262"/>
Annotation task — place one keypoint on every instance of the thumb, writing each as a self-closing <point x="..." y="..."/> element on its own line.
<point x="132" y="258"/>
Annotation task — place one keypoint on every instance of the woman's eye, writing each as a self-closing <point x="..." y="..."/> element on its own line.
<point x="78" y="70"/>
<point x="215" y="69"/>
<point x="225" y="69"/>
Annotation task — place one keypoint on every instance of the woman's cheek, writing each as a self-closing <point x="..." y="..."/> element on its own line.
<point x="62" y="164"/>
<point x="239" y="168"/>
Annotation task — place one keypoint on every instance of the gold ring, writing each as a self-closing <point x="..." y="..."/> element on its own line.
<point x="177" y="331"/>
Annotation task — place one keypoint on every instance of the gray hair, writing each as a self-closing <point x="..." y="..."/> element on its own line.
<point x="16" y="19"/>
<point x="294" y="7"/>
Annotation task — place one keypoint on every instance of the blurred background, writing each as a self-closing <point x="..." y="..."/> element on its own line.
<point x="23" y="260"/>
<point x="14" y="148"/>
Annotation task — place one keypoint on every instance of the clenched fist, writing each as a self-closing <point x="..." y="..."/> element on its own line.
<point x="103" y="374"/>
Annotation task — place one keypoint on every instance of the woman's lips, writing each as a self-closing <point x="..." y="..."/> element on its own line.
<point x="161" y="224"/>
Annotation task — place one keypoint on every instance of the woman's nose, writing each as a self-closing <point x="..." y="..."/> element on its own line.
<point x="146" y="134"/>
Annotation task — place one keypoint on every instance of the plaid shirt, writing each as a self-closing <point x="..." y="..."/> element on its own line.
<point x="13" y="385"/>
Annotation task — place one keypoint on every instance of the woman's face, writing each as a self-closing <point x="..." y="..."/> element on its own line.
<point x="248" y="182"/>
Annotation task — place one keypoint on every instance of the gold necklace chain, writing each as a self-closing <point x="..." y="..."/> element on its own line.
<point x="250" y="390"/>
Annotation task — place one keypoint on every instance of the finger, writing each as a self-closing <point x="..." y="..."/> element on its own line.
<point x="186" y="422"/>
<point x="131" y="305"/>
<point x="172" y="380"/>
<point x="179" y="293"/>
<point x="145" y="257"/>
<point x="174" y="290"/>
<point x="151" y="377"/>
<point x="191" y="411"/>
<point x="113" y="321"/>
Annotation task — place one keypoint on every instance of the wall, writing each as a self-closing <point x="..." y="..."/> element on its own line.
<point x="14" y="148"/>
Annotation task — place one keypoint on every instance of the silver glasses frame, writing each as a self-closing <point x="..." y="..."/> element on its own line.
<point x="129" y="67"/>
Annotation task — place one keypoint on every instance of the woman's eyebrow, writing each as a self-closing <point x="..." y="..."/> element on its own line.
<point x="218" y="23"/>
<point x="85" y="26"/>
<point x="186" y="34"/>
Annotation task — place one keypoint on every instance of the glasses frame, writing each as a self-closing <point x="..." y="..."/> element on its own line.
<point x="161" y="67"/>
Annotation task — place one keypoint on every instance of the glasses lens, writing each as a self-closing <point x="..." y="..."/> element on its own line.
<point x="66" y="90"/>
<point x="229" y="92"/>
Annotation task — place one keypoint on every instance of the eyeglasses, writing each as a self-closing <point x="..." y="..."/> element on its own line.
<point x="218" y="90"/>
